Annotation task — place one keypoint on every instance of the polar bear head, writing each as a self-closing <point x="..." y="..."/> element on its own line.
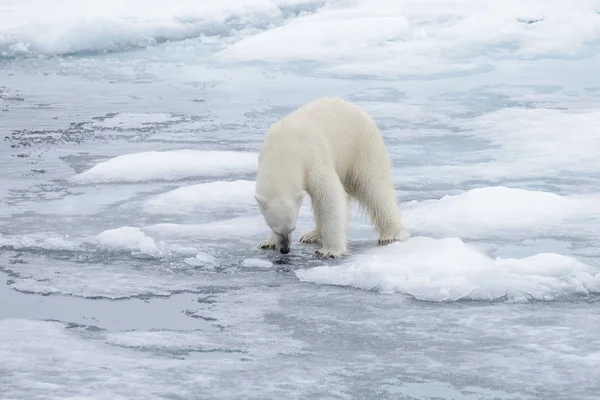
<point x="280" y="214"/>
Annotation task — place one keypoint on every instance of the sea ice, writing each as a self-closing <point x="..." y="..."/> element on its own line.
<point x="156" y="289"/>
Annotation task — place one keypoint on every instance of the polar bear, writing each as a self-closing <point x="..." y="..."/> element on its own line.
<point x="332" y="150"/>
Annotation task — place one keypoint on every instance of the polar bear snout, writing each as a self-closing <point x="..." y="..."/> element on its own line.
<point x="280" y="214"/>
<point x="283" y="243"/>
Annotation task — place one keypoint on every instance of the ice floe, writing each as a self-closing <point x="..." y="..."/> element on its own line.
<point x="169" y="165"/>
<point x="449" y="270"/>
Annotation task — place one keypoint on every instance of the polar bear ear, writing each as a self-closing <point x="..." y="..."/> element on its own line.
<point x="262" y="201"/>
<point x="298" y="198"/>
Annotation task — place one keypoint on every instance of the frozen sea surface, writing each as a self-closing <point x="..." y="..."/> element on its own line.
<point x="129" y="231"/>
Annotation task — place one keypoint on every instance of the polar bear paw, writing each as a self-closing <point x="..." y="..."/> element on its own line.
<point x="385" y="242"/>
<point x="329" y="253"/>
<point x="400" y="236"/>
<point x="310" y="237"/>
<point x="267" y="244"/>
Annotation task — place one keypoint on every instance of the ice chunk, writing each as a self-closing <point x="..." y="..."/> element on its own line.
<point x="202" y="260"/>
<point x="205" y="196"/>
<point x="450" y="270"/>
<point x="136" y="241"/>
<point x="485" y="211"/>
<point x="169" y="165"/>
<point x="127" y="238"/>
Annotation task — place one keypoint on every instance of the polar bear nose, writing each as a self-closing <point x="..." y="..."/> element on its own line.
<point x="284" y="246"/>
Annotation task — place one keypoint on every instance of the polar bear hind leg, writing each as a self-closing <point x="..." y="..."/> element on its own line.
<point x="375" y="193"/>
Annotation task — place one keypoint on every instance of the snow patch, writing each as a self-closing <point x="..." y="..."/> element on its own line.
<point x="203" y="197"/>
<point x="169" y="165"/>
<point x="486" y="211"/>
<point x="450" y="270"/>
<point x="133" y="239"/>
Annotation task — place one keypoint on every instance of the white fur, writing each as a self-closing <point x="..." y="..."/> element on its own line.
<point x="333" y="150"/>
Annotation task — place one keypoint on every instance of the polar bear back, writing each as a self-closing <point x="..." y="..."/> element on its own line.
<point x="328" y="131"/>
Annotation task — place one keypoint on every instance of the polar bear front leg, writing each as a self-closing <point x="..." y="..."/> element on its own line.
<point x="331" y="205"/>
<point x="269" y="243"/>
<point x="313" y="236"/>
